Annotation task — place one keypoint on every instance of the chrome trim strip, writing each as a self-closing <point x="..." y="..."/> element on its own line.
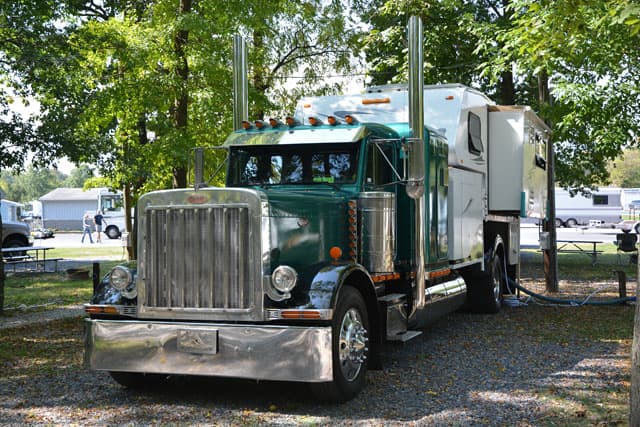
<point x="265" y="352"/>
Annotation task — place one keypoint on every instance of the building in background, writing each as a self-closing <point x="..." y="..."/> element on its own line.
<point x="63" y="209"/>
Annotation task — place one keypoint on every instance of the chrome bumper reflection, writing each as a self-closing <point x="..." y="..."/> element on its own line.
<point x="242" y="351"/>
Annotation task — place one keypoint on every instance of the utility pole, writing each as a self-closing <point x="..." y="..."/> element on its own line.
<point x="549" y="253"/>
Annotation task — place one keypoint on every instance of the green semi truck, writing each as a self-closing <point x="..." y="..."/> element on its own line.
<point x="354" y="222"/>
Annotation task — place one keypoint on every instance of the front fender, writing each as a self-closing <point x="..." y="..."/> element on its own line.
<point x="327" y="281"/>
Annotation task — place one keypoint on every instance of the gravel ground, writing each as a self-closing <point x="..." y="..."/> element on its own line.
<point x="520" y="367"/>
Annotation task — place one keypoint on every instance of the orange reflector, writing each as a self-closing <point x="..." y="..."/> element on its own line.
<point x="449" y="98"/>
<point x="299" y="314"/>
<point x="352" y="211"/>
<point x="335" y="253"/>
<point x="352" y="203"/>
<point x="307" y="105"/>
<point x="332" y="120"/>
<point x="246" y="125"/>
<point x="376" y="101"/>
<point x="101" y="310"/>
<point x="353" y="228"/>
<point x="439" y="273"/>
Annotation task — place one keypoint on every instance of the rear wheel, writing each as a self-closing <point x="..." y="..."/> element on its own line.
<point x="350" y="350"/>
<point x="485" y="292"/>
<point x="16" y="242"/>
<point x="571" y="222"/>
<point x="558" y="223"/>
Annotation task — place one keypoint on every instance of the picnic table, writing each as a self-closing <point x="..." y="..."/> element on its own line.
<point x="33" y="258"/>
<point x="578" y="246"/>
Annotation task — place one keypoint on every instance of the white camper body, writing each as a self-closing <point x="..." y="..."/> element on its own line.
<point x="602" y="207"/>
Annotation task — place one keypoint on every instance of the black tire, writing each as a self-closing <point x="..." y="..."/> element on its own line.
<point x="559" y="223"/>
<point x="112" y="232"/>
<point x="637" y="228"/>
<point x="137" y="380"/>
<point x="350" y="353"/>
<point x="571" y="223"/>
<point x="16" y="242"/>
<point x="485" y="288"/>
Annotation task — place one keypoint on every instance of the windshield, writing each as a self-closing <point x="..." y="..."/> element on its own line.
<point x="293" y="164"/>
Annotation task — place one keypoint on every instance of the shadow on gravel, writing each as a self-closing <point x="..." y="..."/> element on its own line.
<point x="525" y="365"/>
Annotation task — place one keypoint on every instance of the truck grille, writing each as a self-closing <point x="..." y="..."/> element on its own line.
<point x="198" y="258"/>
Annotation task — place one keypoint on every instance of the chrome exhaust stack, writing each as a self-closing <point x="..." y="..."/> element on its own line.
<point x="240" y="82"/>
<point x="415" y="185"/>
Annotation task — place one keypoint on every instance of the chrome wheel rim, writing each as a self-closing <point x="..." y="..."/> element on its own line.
<point x="353" y="344"/>
<point x="497" y="288"/>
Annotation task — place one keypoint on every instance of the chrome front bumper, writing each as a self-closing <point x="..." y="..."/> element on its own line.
<point x="282" y="353"/>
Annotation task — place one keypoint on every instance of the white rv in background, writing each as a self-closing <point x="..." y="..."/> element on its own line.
<point x="602" y="207"/>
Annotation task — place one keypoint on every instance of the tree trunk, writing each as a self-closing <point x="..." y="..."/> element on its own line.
<point x="507" y="89"/>
<point x="634" y="413"/>
<point x="550" y="256"/>
<point x="128" y="202"/>
<point x="181" y="102"/>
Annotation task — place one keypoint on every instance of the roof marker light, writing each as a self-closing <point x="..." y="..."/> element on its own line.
<point x="449" y="98"/>
<point x="332" y="120"/>
<point x="246" y="125"/>
<point x="260" y="124"/>
<point x="274" y="122"/>
<point x="314" y="121"/>
<point x="350" y="119"/>
<point x="291" y="122"/>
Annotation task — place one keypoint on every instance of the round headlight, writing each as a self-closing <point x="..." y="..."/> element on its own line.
<point x="284" y="278"/>
<point x="120" y="277"/>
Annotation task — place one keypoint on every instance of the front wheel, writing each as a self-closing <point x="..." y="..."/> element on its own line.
<point x="349" y="339"/>
<point x="112" y="232"/>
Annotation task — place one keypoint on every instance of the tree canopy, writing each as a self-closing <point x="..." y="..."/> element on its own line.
<point x="132" y="86"/>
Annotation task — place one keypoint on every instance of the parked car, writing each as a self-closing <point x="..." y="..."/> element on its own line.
<point x="42" y="233"/>
<point x="15" y="233"/>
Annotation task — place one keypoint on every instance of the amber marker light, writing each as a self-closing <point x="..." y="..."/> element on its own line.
<point x="274" y="123"/>
<point x="291" y="121"/>
<point x="349" y="119"/>
<point x="376" y="101"/>
<point x="450" y="98"/>
<point x="335" y="253"/>
<point x="260" y="124"/>
<point x="314" y="121"/>
<point x="300" y="314"/>
<point x="246" y="125"/>
<point x="332" y="120"/>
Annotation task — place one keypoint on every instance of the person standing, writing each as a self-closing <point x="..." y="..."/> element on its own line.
<point x="86" y="227"/>
<point x="98" y="220"/>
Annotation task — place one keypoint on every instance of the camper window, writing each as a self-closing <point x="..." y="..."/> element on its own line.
<point x="475" y="134"/>
<point x="599" y="199"/>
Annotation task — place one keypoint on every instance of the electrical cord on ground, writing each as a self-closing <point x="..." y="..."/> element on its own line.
<point x="568" y="302"/>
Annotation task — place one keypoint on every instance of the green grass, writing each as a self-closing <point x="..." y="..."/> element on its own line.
<point x="576" y="266"/>
<point x="52" y="289"/>
<point x="90" y="252"/>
